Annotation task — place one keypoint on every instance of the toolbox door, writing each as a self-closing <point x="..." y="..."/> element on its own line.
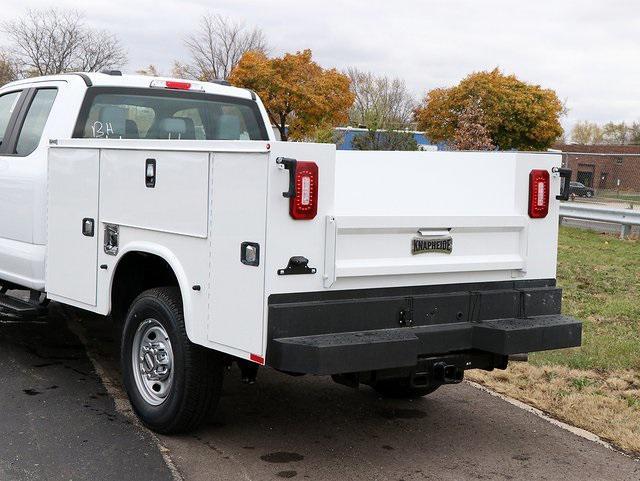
<point x="238" y="254"/>
<point x="72" y="216"/>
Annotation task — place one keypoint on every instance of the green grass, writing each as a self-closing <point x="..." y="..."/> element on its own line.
<point x="632" y="197"/>
<point x="581" y="382"/>
<point x="600" y="276"/>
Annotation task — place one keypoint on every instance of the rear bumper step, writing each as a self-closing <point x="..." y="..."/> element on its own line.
<point x="401" y="347"/>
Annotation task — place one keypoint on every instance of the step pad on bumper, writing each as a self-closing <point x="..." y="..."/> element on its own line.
<point x="400" y="347"/>
<point x="515" y="336"/>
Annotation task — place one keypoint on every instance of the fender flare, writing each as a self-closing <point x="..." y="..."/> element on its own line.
<point x="170" y="258"/>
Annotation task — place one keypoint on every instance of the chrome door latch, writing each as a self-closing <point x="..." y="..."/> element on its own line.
<point x="111" y="235"/>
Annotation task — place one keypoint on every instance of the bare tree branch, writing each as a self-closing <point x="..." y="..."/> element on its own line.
<point x="150" y="71"/>
<point x="8" y="69"/>
<point x="101" y="50"/>
<point x="382" y="101"/>
<point x="52" y="41"/>
<point x="218" y="45"/>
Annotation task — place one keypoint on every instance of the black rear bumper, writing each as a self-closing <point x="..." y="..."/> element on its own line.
<point x="401" y="347"/>
<point x="376" y="329"/>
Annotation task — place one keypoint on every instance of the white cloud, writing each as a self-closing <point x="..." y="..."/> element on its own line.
<point x="587" y="50"/>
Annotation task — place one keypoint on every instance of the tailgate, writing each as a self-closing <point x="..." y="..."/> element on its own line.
<point x="380" y="213"/>
<point x="358" y="246"/>
<point x="438" y="217"/>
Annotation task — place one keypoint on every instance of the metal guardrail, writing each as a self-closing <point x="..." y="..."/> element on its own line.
<point x="624" y="217"/>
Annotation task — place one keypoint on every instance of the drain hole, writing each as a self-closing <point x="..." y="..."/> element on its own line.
<point x="152" y="335"/>
<point x="156" y="387"/>
<point x="459" y="315"/>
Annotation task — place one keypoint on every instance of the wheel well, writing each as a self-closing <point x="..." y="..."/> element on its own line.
<point x="136" y="272"/>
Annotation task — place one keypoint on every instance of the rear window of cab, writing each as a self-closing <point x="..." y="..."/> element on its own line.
<point x="145" y="113"/>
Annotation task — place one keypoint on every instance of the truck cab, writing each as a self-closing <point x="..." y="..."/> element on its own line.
<point x="168" y="205"/>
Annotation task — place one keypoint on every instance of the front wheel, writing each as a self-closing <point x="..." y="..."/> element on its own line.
<point x="401" y="388"/>
<point x="171" y="382"/>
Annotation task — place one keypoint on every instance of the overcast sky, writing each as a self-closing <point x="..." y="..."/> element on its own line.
<point x="587" y="50"/>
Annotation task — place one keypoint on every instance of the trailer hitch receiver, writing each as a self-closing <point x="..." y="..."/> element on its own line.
<point x="447" y="373"/>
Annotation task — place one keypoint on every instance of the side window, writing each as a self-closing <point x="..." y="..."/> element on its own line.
<point x="35" y="121"/>
<point x="8" y="104"/>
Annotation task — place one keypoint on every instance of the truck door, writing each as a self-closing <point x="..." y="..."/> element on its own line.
<point x="72" y="237"/>
<point x="24" y="113"/>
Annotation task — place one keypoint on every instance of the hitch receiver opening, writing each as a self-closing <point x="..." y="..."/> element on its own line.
<point x="447" y="373"/>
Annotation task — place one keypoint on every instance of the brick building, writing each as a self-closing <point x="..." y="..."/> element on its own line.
<point x="604" y="166"/>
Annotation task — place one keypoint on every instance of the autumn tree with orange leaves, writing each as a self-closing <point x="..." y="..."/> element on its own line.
<point x="301" y="97"/>
<point x="471" y="133"/>
<point x="515" y="114"/>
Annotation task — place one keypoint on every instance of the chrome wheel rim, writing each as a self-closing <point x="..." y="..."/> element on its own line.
<point x="152" y="362"/>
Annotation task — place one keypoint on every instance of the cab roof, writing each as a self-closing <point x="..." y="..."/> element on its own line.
<point x="102" y="79"/>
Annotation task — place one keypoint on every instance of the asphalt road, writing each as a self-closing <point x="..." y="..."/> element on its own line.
<point x="279" y="428"/>
<point x="57" y="421"/>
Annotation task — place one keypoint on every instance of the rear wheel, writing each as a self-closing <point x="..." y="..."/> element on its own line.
<point x="401" y="388"/>
<point x="171" y="382"/>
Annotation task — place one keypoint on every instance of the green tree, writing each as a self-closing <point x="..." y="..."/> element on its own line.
<point x="376" y="138"/>
<point x="384" y="140"/>
<point x="324" y="134"/>
<point x="517" y="115"/>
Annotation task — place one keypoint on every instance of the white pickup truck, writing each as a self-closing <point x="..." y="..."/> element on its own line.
<point x="169" y="206"/>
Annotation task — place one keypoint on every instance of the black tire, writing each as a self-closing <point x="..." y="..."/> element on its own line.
<point x="400" y="388"/>
<point x="197" y="371"/>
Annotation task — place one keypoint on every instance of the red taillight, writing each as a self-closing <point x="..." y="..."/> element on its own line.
<point x="538" y="194"/>
<point x="305" y="203"/>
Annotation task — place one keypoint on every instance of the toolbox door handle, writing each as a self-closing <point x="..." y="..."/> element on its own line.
<point x="150" y="173"/>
